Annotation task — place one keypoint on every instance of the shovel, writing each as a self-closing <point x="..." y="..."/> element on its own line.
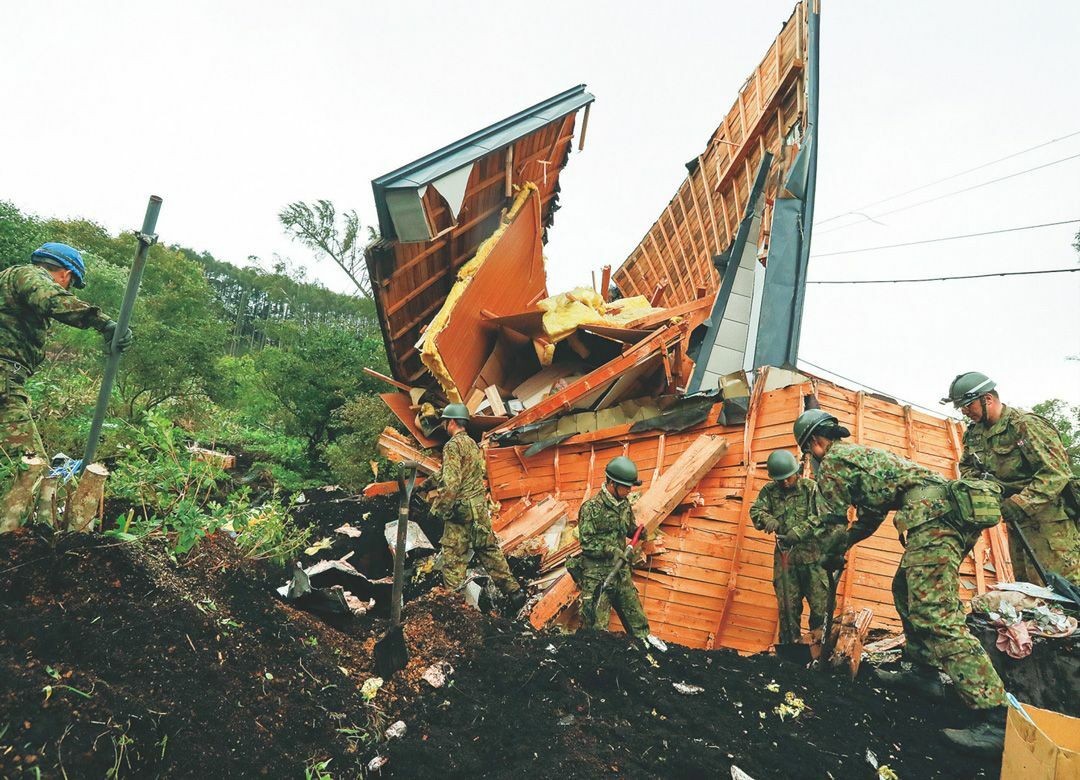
<point x="391" y="652"/>
<point x="828" y="641"/>
<point x="1051" y="579"/>
<point x="792" y="652"/>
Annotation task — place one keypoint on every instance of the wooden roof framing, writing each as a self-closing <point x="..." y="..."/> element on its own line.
<point x="699" y="221"/>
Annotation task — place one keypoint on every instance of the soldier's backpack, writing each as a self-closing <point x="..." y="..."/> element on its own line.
<point x="977" y="502"/>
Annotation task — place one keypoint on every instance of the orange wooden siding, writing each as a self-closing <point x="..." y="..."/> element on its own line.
<point x="712" y="587"/>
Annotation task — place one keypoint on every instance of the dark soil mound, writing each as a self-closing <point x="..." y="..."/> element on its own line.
<point x="594" y="706"/>
<point x="115" y="658"/>
<point x="191" y="670"/>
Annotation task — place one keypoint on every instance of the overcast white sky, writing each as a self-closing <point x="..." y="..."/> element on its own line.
<point x="230" y="110"/>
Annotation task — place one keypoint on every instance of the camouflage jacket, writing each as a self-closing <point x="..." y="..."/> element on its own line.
<point x="29" y="301"/>
<point x="876" y="482"/>
<point x="604" y="522"/>
<point x="797" y="513"/>
<point x="1023" y="452"/>
<point x="461" y="478"/>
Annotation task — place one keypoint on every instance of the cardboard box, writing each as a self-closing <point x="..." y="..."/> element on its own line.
<point x="1049" y="749"/>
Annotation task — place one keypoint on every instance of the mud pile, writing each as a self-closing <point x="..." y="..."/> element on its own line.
<point x="115" y="658"/>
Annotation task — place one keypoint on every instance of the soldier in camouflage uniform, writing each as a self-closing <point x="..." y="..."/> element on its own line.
<point x="462" y="504"/>
<point x="1024" y="454"/>
<point x="31" y="297"/>
<point x="605" y="522"/>
<point x="925" y="588"/>
<point x="787" y="507"/>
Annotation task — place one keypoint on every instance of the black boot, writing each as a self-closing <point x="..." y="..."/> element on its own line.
<point x="921" y="679"/>
<point x="987" y="736"/>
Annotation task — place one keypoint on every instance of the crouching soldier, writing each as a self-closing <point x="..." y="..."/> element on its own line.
<point x="462" y="505"/>
<point x="925" y="588"/>
<point x="605" y="522"/>
<point x="787" y="507"/>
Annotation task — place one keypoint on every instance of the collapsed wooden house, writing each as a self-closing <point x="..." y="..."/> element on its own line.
<point x="687" y="362"/>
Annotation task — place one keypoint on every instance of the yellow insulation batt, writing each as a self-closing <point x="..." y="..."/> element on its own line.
<point x="566" y="312"/>
<point x="429" y="353"/>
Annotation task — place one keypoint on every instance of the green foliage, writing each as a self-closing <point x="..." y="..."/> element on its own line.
<point x="20" y="235"/>
<point x="350" y="456"/>
<point x="1066" y="419"/>
<point x="260" y="363"/>
<point x="308" y="398"/>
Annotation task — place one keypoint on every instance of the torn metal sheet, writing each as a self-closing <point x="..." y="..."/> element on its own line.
<point x="415" y="539"/>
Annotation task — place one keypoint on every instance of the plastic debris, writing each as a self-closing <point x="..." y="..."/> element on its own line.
<point x="792" y="707"/>
<point x="371" y="687"/>
<point x="686" y="689"/>
<point x="323" y="544"/>
<point x="437" y="674"/>
<point x="396" y="730"/>
<point x="377" y="763"/>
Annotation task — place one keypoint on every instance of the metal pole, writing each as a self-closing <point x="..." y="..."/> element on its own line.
<point x="147" y="238"/>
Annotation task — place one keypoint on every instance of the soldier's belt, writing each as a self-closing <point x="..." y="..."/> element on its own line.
<point x="926" y="493"/>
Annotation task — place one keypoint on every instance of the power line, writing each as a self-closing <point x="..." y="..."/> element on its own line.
<point x="956" y="192"/>
<point x="951" y="177"/>
<point x="945" y="238"/>
<point x="936" y="412"/>
<point x="944" y="278"/>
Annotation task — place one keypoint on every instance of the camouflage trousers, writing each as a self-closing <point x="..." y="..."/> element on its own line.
<point x="1056" y="544"/>
<point x="18" y="434"/>
<point x="620" y="594"/>
<point x="469" y="533"/>
<point x="926" y="593"/>
<point x="794" y="582"/>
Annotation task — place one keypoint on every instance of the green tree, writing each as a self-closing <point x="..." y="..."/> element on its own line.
<point x="1066" y="419"/>
<point x="316" y="377"/>
<point x="20" y="235"/>
<point x="316" y="227"/>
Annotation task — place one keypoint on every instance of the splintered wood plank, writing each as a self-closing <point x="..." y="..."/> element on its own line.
<point x="669" y="489"/>
<point x="851" y="631"/>
<point x="393" y="446"/>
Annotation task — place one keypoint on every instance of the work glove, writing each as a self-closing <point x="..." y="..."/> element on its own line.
<point x="109" y="331"/>
<point x="788" y="539"/>
<point x="1011" y="511"/>
<point x="770" y="525"/>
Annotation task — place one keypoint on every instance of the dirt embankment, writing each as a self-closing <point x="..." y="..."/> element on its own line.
<point x="115" y="658"/>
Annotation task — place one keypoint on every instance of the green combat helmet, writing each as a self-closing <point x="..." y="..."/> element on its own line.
<point x="782" y="464"/>
<point x="968" y="387"/>
<point x="455" y="412"/>
<point x="623" y="471"/>
<point x="808" y="422"/>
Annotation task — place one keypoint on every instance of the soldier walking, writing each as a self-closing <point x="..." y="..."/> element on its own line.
<point x="605" y="522"/>
<point x="1024" y="454"/>
<point x="462" y="505"/>
<point x="31" y="297"/>
<point x="925" y="588"/>
<point x="787" y="507"/>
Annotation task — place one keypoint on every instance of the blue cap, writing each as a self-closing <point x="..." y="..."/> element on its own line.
<point x="66" y="257"/>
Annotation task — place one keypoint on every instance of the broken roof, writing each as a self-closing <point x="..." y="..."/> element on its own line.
<point x="435" y="212"/>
